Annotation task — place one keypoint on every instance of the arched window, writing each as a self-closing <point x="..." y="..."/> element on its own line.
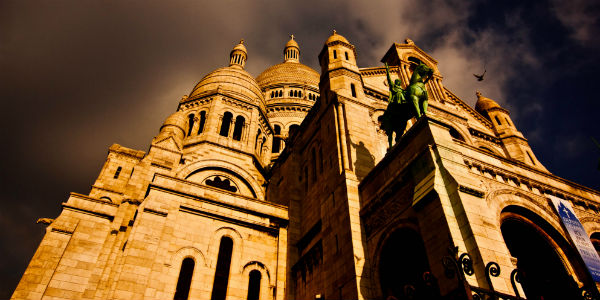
<point x="293" y="129"/>
<point x="237" y="130"/>
<point x="497" y="120"/>
<point x="507" y="121"/>
<point x="256" y="140"/>
<point x="184" y="282"/>
<point x="202" y="122"/>
<point x="291" y="94"/>
<point x="276" y="139"/>
<point x="226" y="122"/>
<point x="281" y="93"/>
<point x="117" y="172"/>
<point x="334" y="54"/>
<point x="300" y="94"/>
<point x="190" y="124"/>
<point x="254" y="285"/>
<point x="353" y="90"/>
<point x="262" y="144"/>
<point x="454" y="134"/>
<point x="346" y="55"/>
<point x="219" y="290"/>
<point x="272" y="94"/>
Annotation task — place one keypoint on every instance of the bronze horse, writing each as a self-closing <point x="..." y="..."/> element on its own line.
<point x="403" y="104"/>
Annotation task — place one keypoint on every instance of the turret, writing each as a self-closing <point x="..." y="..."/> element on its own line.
<point x="339" y="71"/>
<point x="515" y="144"/>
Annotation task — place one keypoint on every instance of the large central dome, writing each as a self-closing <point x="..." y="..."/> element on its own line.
<point x="288" y="72"/>
<point x="232" y="80"/>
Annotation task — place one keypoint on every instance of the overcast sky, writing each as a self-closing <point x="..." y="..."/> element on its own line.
<point x="77" y="76"/>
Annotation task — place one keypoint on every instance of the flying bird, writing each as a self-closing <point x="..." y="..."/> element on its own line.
<point x="480" y="77"/>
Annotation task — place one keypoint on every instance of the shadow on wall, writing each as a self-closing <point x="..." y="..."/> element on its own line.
<point x="365" y="161"/>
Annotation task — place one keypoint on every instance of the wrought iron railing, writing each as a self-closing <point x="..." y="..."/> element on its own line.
<point x="462" y="266"/>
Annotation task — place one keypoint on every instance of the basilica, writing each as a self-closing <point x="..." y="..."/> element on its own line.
<point x="284" y="186"/>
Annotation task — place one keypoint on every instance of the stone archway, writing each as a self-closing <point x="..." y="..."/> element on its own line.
<point x="403" y="267"/>
<point x="541" y="253"/>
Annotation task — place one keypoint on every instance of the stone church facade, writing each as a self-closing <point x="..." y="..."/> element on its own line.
<point x="282" y="187"/>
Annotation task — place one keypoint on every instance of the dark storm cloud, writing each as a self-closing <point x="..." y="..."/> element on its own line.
<point x="77" y="76"/>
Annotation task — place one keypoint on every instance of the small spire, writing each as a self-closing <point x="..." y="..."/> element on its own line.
<point x="242" y="41"/>
<point x="292" y="36"/>
<point x="334" y="32"/>
<point x="478" y="93"/>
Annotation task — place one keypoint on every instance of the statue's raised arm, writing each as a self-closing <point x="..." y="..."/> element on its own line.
<point x="389" y="78"/>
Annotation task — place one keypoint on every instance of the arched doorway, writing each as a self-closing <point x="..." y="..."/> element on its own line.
<point x="536" y="245"/>
<point x="402" y="265"/>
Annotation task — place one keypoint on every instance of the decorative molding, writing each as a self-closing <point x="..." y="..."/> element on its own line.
<point x="471" y="191"/>
<point x="484" y="136"/>
<point x="156" y="212"/>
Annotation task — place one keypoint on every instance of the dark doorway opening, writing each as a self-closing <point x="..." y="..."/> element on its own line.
<point x="543" y="273"/>
<point x="402" y="266"/>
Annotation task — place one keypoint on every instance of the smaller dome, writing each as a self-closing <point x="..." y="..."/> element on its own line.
<point x="484" y="104"/>
<point x="336" y="37"/>
<point x="177" y="119"/>
<point x="292" y="43"/>
<point x="240" y="46"/>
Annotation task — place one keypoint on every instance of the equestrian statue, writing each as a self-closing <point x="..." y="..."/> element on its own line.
<point x="403" y="104"/>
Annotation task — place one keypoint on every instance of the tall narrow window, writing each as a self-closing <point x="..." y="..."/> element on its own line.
<point x="507" y="122"/>
<point x="346" y="55"/>
<point x="219" y="290"/>
<point x="117" y="172"/>
<point x="530" y="157"/>
<point x="190" y="124"/>
<point x="276" y="139"/>
<point x="314" y="164"/>
<point x="202" y="122"/>
<point x="184" y="282"/>
<point x="334" y="54"/>
<point x="254" y="285"/>
<point x="291" y="93"/>
<point x="237" y="130"/>
<point x="497" y="120"/>
<point x="271" y="94"/>
<point x="262" y="144"/>
<point x="281" y="93"/>
<point x="305" y="177"/>
<point x="226" y="122"/>
<point x="353" y="90"/>
<point x="321" y="159"/>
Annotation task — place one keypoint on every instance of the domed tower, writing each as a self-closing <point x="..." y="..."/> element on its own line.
<point x="515" y="144"/>
<point x="339" y="69"/>
<point x="290" y="89"/>
<point x="227" y="133"/>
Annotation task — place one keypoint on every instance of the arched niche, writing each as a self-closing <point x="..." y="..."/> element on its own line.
<point x="548" y="264"/>
<point x="201" y="170"/>
<point x="222" y="179"/>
